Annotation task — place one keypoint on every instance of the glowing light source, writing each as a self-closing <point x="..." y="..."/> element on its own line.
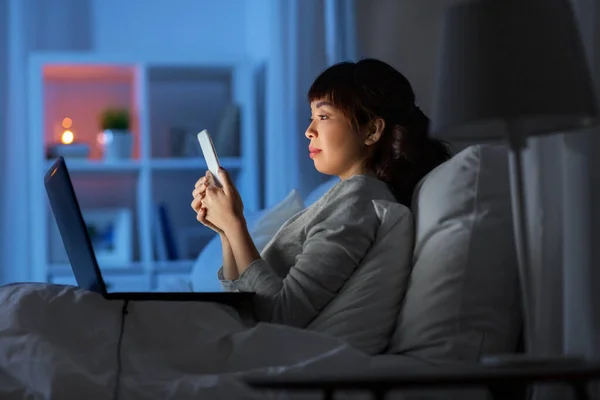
<point x="67" y="137"/>
<point x="67" y="123"/>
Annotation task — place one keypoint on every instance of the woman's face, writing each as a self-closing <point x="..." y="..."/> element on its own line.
<point x="335" y="147"/>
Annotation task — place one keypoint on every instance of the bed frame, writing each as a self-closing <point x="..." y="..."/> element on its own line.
<point x="503" y="383"/>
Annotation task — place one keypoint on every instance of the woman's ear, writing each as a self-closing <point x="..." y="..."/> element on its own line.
<point x="376" y="128"/>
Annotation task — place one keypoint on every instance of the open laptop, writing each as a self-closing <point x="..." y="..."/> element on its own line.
<point x="80" y="251"/>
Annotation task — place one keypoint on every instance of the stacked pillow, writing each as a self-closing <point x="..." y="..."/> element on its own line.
<point x="462" y="300"/>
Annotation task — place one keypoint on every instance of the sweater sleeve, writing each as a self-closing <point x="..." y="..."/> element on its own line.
<point x="226" y="284"/>
<point x="334" y="247"/>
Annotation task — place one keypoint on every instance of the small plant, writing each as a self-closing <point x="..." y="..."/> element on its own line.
<point x="115" y="119"/>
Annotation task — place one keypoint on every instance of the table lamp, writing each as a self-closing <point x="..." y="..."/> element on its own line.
<point x="508" y="70"/>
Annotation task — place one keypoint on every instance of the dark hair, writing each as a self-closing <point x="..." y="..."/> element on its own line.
<point x="370" y="89"/>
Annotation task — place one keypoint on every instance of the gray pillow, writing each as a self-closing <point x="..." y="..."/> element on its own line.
<point x="463" y="295"/>
<point x="364" y="312"/>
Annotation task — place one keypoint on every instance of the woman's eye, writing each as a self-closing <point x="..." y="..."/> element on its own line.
<point x="323" y="117"/>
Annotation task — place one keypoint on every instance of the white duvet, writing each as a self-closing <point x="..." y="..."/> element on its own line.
<point x="60" y="342"/>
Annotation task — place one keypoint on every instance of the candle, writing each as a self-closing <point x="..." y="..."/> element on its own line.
<point x="68" y="147"/>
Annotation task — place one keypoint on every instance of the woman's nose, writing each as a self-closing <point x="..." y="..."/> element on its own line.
<point x="311" y="132"/>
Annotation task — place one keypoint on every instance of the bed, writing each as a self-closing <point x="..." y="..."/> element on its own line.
<point x="460" y="301"/>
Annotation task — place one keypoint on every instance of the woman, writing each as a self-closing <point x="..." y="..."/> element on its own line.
<point x="366" y="129"/>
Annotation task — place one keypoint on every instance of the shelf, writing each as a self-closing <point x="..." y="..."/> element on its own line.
<point x="171" y="164"/>
<point x="170" y="100"/>
<point x="159" y="267"/>
<point x="177" y="73"/>
<point x="96" y="72"/>
<point x="160" y="164"/>
<point x="90" y="58"/>
<point x="135" y="268"/>
<point x="75" y="165"/>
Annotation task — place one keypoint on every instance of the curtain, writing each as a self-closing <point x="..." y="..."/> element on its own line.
<point x="3" y="114"/>
<point x="31" y="25"/>
<point x="306" y="36"/>
<point x="341" y="30"/>
<point x="563" y="179"/>
<point x="3" y="122"/>
<point x="15" y="222"/>
<point x="582" y="215"/>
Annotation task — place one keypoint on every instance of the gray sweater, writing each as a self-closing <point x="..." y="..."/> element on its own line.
<point x="314" y="253"/>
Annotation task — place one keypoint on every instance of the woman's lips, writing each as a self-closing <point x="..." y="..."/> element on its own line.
<point x="313" y="151"/>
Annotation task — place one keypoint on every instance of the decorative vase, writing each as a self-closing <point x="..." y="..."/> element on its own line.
<point x="117" y="144"/>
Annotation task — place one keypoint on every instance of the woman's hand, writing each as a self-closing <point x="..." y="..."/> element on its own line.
<point x="224" y="207"/>
<point x="198" y="194"/>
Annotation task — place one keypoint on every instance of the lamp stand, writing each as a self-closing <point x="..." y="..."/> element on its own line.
<point x="516" y="145"/>
<point x="517" y="142"/>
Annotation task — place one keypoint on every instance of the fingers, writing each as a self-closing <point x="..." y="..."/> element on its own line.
<point x="196" y="203"/>
<point x="228" y="186"/>
<point x="212" y="189"/>
<point x="210" y="179"/>
<point x="199" y="191"/>
<point x="205" y="180"/>
<point x="199" y="200"/>
<point x="199" y="195"/>
<point x="201" y="216"/>
<point x="200" y="186"/>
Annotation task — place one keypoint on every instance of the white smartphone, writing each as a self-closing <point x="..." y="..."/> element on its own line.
<point x="210" y="155"/>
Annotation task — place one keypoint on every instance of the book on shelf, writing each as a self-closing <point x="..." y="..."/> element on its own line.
<point x="165" y="244"/>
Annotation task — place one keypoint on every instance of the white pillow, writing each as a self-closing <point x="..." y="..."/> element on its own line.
<point x="365" y="310"/>
<point x="273" y="218"/>
<point x="463" y="296"/>
<point x="262" y="226"/>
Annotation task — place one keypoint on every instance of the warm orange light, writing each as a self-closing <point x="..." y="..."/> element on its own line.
<point x="67" y="137"/>
<point x="67" y="123"/>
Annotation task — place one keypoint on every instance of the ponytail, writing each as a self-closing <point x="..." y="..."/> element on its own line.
<point x="406" y="153"/>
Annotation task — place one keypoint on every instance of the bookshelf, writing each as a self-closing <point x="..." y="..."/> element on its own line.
<point x="168" y="99"/>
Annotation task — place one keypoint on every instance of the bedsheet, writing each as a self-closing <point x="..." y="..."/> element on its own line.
<point x="61" y="342"/>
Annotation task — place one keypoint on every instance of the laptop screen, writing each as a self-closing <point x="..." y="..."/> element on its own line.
<point x="72" y="228"/>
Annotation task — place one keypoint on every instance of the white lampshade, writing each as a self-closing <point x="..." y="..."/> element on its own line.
<point x="516" y="62"/>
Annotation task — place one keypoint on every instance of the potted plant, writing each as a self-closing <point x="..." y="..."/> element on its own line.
<point x="117" y="139"/>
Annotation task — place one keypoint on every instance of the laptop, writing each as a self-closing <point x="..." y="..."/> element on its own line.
<point x="80" y="251"/>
